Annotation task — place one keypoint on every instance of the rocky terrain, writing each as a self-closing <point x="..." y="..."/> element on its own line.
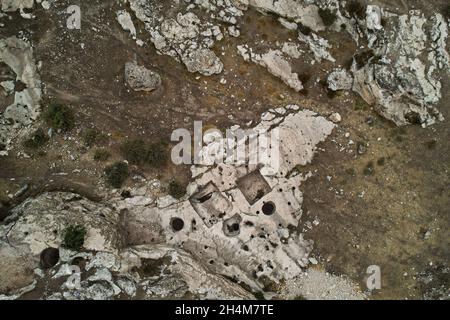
<point x="92" y="207"/>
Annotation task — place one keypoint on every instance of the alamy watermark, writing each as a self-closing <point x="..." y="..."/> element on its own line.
<point x="74" y="20"/>
<point x="374" y="279"/>
<point x="74" y="280"/>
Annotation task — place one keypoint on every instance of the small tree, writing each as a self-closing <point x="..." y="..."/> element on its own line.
<point x="157" y="155"/>
<point x="59" y="117"/>
<point x="176" y="190"/>
<point x="92" y="137"/>
<point x="134" y="151"/>
<point x="116" y="174"/>
<point x="328" y="17"/>
<point x="74" y="237"/>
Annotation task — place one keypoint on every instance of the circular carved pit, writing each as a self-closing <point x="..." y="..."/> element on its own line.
<point x="177" y="224"/>
<point x="268" y="208"/>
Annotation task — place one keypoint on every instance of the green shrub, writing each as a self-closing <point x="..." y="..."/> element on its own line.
<point x="92" y="137"/>
<point x="37" y="139"/>
<point x="138" y="152"/>
<point x="134" y="151"/>
<point x="74" y="237"/>
<point x="101" y="155"/>
<point x="59" y="117"/>
<point x="116" y="174"/>
<point x="328" y="16"/>
<point x="176" y="190"/>
<point x="157" y="155"/>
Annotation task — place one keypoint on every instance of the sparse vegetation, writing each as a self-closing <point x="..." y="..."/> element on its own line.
<point x="157" y="155"/>
<point x="134" y="151"/>
<point x="37" y="140"/>
<point x="116" y="174"/>
<point x="176" y="190"/>
<point x="59" y="117"/>
<point x="360" y="104"/>
<point x="101" y="155"/>
<point x="369" y="169"/>
<point x="328" y="17"/>
<point x="138" y="152"/>
<point x="92" y="137"/>
<point x="74" y="237"/>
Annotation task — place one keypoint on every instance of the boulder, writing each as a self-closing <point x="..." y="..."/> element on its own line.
<point x="140" y="78"/>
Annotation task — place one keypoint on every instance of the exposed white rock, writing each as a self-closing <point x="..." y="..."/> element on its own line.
<point x="287" y="24"/>
<point x="233" y="31"/>
<point x="373" y="17"/>
<point x="18" y="55"/>
<point x="318" y="46"/>
<point x="185" y="38"/>
<point x="39" y="231"/>
<point x="340" y="79"/>
<point x="140" y="78"/>
<point x="402" y="85"/>
<point x="203" y="61"/>
<point x="336" y="117"/>
<point x="45" y="5"/>
<point x="28" y="233"/>
<point x="439" y="35"/>
<point x="14" y="5"/>
<point x="8" y="86"/>
<point x="292" y="50"/>
<point x="236" y="221"/>
<point x="124" y="19"/>
<point x="307" y="14"/>
<point x="186" y="275"/>
<point x="275" y="62"/>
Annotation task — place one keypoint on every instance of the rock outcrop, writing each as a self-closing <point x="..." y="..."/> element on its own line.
<point x="298" y="11"/>
<point x="143" y="272"/>
<point x="396" y="78"/>
<point x="236" y="222"/>
<point x="18" y="55"/>
<point x="340" y="79"/>
<point x="140" y="78"/>
<point x="185" y="38"/>
<point x="237" y="219"/>
<point x="275" y="62"/>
